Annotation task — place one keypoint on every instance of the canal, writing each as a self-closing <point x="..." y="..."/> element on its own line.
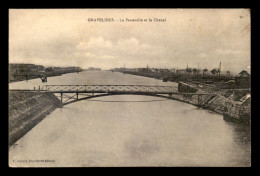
<point x="129" y="130"/>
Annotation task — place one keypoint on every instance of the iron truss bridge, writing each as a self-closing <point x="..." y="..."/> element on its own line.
<point x="73" y="93"/>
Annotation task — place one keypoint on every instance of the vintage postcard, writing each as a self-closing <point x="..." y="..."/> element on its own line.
<point x="129" y="87"/>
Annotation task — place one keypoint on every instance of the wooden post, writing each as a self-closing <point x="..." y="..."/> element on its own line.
<point x="199" y="100"/>
<point x="61" y="97"/>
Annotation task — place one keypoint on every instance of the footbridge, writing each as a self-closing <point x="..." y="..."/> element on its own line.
<point x="73" y="93"/>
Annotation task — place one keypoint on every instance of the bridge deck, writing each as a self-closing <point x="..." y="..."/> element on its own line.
<point x="112" y="89"/>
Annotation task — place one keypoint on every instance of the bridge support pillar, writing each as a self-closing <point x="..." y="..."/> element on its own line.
<point x="77" y="96"/>
<point x="185" y="97"/>
<point x="199" y="100"/>
<point x="61" y="97"/>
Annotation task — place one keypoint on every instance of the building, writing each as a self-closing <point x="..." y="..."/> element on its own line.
<point x="243" y="80"/>
<point x="24" y="68"/>
<point x="19" y="72"/>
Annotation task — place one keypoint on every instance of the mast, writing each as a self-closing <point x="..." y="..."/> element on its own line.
<point x="198" y="69"/>
<point x="219" y="69"/>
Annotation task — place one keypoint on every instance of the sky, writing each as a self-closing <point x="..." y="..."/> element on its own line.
<point x="71" y="37"/>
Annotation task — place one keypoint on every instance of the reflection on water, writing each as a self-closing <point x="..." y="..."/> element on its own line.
<point x="130" y="130"/>
<point x="242" y="137"/>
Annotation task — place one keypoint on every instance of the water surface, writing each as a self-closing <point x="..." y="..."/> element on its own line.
<point x="129" y="130"/>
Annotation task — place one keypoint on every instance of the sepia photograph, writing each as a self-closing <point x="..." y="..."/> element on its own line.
<point x="129" y="87"/>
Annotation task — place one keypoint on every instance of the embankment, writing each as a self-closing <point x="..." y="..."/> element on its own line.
<point x="183" y="87"/>
<point x="27" y="109"/>
<point x="233" y="105"/>
<point x="13" y="78"/>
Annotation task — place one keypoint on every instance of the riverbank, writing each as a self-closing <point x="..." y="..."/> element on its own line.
<point x="234" y="105"/>
<point x="27" y="109"/>
<point x="50" y="74"/>
<point x="177" y="77"/>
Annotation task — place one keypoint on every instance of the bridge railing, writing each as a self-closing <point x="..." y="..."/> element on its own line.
<point x="108" y="88"/>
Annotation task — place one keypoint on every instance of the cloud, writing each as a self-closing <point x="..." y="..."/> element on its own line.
<point x="94" y="43"/>
<point x="122" y="48"/>
<point x="232" y="52"/>
<point x="191" y="36"/>
<point x="128" y="43"/>
<point x="90" y="55"/>
<point x="107" y="57"/>
<point x="203" y="55"/>
<point x="132" y="47"/>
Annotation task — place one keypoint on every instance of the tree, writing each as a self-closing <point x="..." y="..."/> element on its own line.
<point x="205" y="70"/>
<point x="228" y="73"/>
<point x="218" y="72"/>
<point x="48" y="69"/>
<point x="214" y="71"/>
<point x="188" y="70"/>
<point x="194" y="70"/>
<point x="177" y="71"/>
